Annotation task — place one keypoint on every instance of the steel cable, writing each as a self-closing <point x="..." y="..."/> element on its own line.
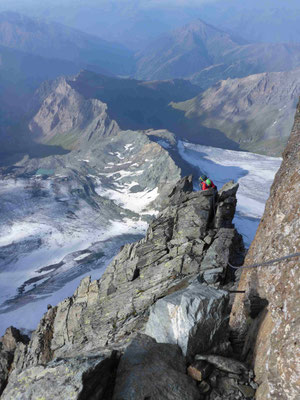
<point x="266" y="263"/>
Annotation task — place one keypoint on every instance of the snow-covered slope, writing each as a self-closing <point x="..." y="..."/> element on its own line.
<point x="255" y="174"/>
<point x="63" y="217"/>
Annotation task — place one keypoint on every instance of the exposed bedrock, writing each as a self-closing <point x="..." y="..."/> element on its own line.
<point x="82" y="378"/>
<point x="266" y="318"/>
<point x="184" y="257"/>
<point x="8" y="344"/>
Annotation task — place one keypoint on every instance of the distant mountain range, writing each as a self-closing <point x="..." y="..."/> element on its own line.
<point x="205" y="55"/>
<point x="52" y="40"/>
<point x="135" y="23"/>
<point x="200" y="53"/>
<point x="256" y="20"/>
<point x="133" y="104"/>
<point x="255" y="112"/>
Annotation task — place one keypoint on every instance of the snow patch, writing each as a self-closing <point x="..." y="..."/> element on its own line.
<point x="164" y="144"/>
<point x="137" y="202"/>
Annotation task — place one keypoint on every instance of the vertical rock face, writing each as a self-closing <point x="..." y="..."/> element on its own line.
<point x="8" y="345"/>
<point x="273" y="332"/>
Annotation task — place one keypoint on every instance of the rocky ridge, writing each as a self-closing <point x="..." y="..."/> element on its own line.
<point x="256" y="112"/>
<point x="186" y="250"/>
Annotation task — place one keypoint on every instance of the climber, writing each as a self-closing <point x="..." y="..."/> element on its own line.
<point x="206" y="183"/>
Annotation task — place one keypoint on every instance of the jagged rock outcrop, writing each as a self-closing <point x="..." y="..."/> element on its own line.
<point x="268" y="313"/>
<point x="106" y="314"/>
<point x="8" y="344"/>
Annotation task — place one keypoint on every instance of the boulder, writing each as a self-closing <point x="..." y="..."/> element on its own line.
<point x="199" y="370"/>
<point x="151" y="370"/>
<point x="224" y="364"/>
<point x="194" y="318"/>
<point x="80" y="378"/>
<point x="228" y="190"/>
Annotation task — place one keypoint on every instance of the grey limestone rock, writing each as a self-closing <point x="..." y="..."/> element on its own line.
<point x="224" y="364"/>
<point x="185" y="185"/>
<point x="89" y="377"/>
<point x="6" y="359"/>
<point x="226" y="205"/>
<point x="222" y="250"/>
<point x="228" y="190"/>
<point x="11" y="338"/>
<point x="194" y="318"/>
<point x="8" y="344"/>
<point x="153" y="370"/>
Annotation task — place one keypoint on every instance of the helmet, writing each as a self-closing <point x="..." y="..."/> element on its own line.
<point x="203" y="178"/>
<point x="208" y="182"/>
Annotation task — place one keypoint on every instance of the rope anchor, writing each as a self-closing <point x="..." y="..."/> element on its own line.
<point x="266" y="263"/>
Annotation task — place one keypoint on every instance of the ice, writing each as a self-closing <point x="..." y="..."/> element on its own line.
<point x="24" y="318"/>
<point x="38" y="232"/>
<point x="164" y="144"/>
<point x="82" y="257"/>
<point x="254" y="173"/>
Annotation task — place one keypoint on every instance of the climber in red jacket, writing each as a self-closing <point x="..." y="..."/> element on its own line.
<point x="206" y="183"/>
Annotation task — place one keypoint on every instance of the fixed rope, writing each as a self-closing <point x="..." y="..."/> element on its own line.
<point x="266" y="263"/>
